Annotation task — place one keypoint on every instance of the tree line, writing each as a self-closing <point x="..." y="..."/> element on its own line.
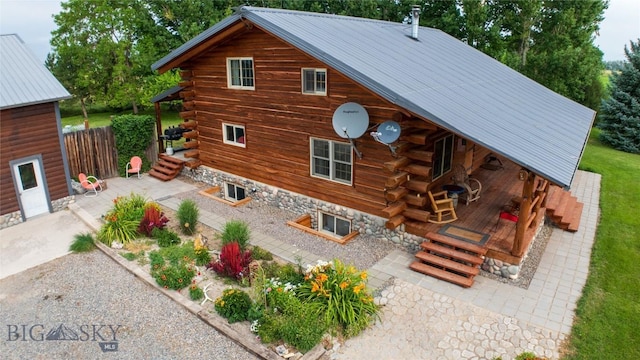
<point x="102" y="50"/>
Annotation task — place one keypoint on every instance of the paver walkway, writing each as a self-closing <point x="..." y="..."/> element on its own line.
<point x="427" y="318"/>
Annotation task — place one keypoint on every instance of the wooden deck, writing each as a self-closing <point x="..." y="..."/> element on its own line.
<point x="498" y="188"/>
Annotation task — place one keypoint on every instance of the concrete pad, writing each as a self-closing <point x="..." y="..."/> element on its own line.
<point x="37" y="240"/>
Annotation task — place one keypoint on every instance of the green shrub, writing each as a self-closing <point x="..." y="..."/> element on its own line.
<point x="82" y="243"/>
<point x="121" y="222"/>
<point x="527" y="355"/>
<point x="238" y="231"/>
<point x="339" y="293"/>
<point x="259" y="253"/>
<point x="233" y="305"/>
<point x="195" y="293"/>
<point x="202" y="256"/>
<point x="188" y="216"/>
<point x="133" y="135"/>
<point x="130" y="256"/>
<point x="165" y="237"/>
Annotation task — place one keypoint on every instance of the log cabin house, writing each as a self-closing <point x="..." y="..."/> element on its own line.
<point x="261" y="92"/>
<point x="34" y="177"/>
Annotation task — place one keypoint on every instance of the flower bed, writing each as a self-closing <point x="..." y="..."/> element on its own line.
<point x="286" y="306"/>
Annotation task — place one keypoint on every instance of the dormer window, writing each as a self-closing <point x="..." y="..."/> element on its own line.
<point x="314" y="81"/>
<point x="240" y="73"/>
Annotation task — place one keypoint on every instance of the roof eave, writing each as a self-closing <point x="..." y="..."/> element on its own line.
<point x="184" y="52"/>
<point x="57" y="99"/>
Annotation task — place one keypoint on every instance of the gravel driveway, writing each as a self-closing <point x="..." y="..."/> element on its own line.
<point x="85" y="306"/>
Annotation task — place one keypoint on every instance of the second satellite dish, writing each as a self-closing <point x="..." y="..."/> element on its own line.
<point x="350" y="120"/>
<point x="388" y="132"/>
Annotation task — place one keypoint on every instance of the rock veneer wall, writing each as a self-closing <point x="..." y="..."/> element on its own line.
<point x="15" y="217"/>
<point x="298" y="204"/>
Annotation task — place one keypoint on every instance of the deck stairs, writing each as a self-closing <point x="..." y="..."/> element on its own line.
<point x="167" y="168"/>
<point x="449" y="259"/>
<point x="564" y="209"/>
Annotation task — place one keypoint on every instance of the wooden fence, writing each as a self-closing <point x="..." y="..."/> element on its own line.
<point x="93" y="152"/>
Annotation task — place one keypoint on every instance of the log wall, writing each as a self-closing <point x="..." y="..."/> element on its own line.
<point x="27" y="131"/>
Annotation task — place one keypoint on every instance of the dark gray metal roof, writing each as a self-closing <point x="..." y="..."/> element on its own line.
<point x="443" y="80"/>
<point x="167" y="95"/>
<point x="24" y="80"/>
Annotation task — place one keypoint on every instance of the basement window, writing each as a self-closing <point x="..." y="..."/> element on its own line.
<point x="314" y="81"/>
<point x="234" y="192"/>
<point x="334" y="225"/>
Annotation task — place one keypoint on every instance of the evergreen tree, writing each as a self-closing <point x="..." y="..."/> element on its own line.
<point x="619" y="118"/>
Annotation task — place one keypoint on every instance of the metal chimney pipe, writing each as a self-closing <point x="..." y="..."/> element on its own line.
<point x="415" y="20"/>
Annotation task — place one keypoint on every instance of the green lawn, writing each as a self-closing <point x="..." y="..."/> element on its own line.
<point x="608" y="315"/>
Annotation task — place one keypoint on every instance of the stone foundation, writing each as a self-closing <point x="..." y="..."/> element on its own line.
<point x="15" y="217"/>
<point x="365" y="224"/>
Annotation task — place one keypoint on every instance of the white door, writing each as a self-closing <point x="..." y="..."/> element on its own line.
<point x="33" y="196"/>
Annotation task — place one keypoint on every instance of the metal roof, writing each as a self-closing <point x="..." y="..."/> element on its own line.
<point x="168" y="95"/>
<point x="24" y="80"/>
<point x="443" y="80"/>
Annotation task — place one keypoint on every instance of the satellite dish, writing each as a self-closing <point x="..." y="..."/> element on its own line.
<point x="350" y="121"/>
<point x="387" y="132"/>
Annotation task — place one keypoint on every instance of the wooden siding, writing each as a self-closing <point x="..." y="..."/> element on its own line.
<point x="27" y="131"/>
<point x="279" y="121"/>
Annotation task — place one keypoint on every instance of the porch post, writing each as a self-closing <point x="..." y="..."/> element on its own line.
<point x="523" y="214"/>
<point x="159" y="127"/>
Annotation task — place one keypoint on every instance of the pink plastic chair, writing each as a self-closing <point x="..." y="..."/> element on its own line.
<point x="91" y="184"/>
<point x="134" y="166"/>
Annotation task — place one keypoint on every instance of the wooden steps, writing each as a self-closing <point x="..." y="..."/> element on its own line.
<point x="167" y="168"/>
<point x="449" y="259"/>
<point x="564" y="209"/>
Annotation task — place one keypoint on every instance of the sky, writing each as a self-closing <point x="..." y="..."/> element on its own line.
<point x="32" y="20"/>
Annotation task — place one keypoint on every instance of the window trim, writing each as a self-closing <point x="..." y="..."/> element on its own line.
<point x="322" y="214"/>
<point x="315" y="81"/>
<point x="443" y="171"/>
<point x="230" y="142"/>
<point x="230" y="78"/>
<point x="332" y="161"/>
<point x="236" y="186"/>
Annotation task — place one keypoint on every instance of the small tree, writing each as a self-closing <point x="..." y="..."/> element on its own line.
<point x="620" y="114"/>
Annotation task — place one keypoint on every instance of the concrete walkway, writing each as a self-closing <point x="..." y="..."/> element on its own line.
<point x="425" y="318"/>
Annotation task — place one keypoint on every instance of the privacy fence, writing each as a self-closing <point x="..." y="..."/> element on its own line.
<point x="94" y="152"/>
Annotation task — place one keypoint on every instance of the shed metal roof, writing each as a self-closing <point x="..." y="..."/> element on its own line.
<point x="440" y="79"/>
<point x="24" y="80"/>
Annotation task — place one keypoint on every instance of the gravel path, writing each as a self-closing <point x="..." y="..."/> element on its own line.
<point x="85" y="291"/>
<point x="362" y="252"/>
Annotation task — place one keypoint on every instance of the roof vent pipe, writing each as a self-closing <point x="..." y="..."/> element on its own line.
<point x="415" y="20"/>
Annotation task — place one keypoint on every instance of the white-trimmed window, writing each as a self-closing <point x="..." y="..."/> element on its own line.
<point x="240" y="73"/>
<point x="331" y="160"/>
<point x="233" y="192"/>
<point x="314" y="81"/>
<point x="233" y="134"/>
<point x="442" y="156"/>
<point x="334" y="225"/>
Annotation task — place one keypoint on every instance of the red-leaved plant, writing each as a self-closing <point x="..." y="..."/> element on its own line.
<point x="152" y="219"/>
<point x="233" y="263"/>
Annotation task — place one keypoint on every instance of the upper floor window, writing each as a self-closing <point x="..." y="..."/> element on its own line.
<point x="442" y="156"/>
<point x="314" y="81"/>
<point x="331" y="160"/>
<point x="240" y="73"/>
<point x="233" y="134"/>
